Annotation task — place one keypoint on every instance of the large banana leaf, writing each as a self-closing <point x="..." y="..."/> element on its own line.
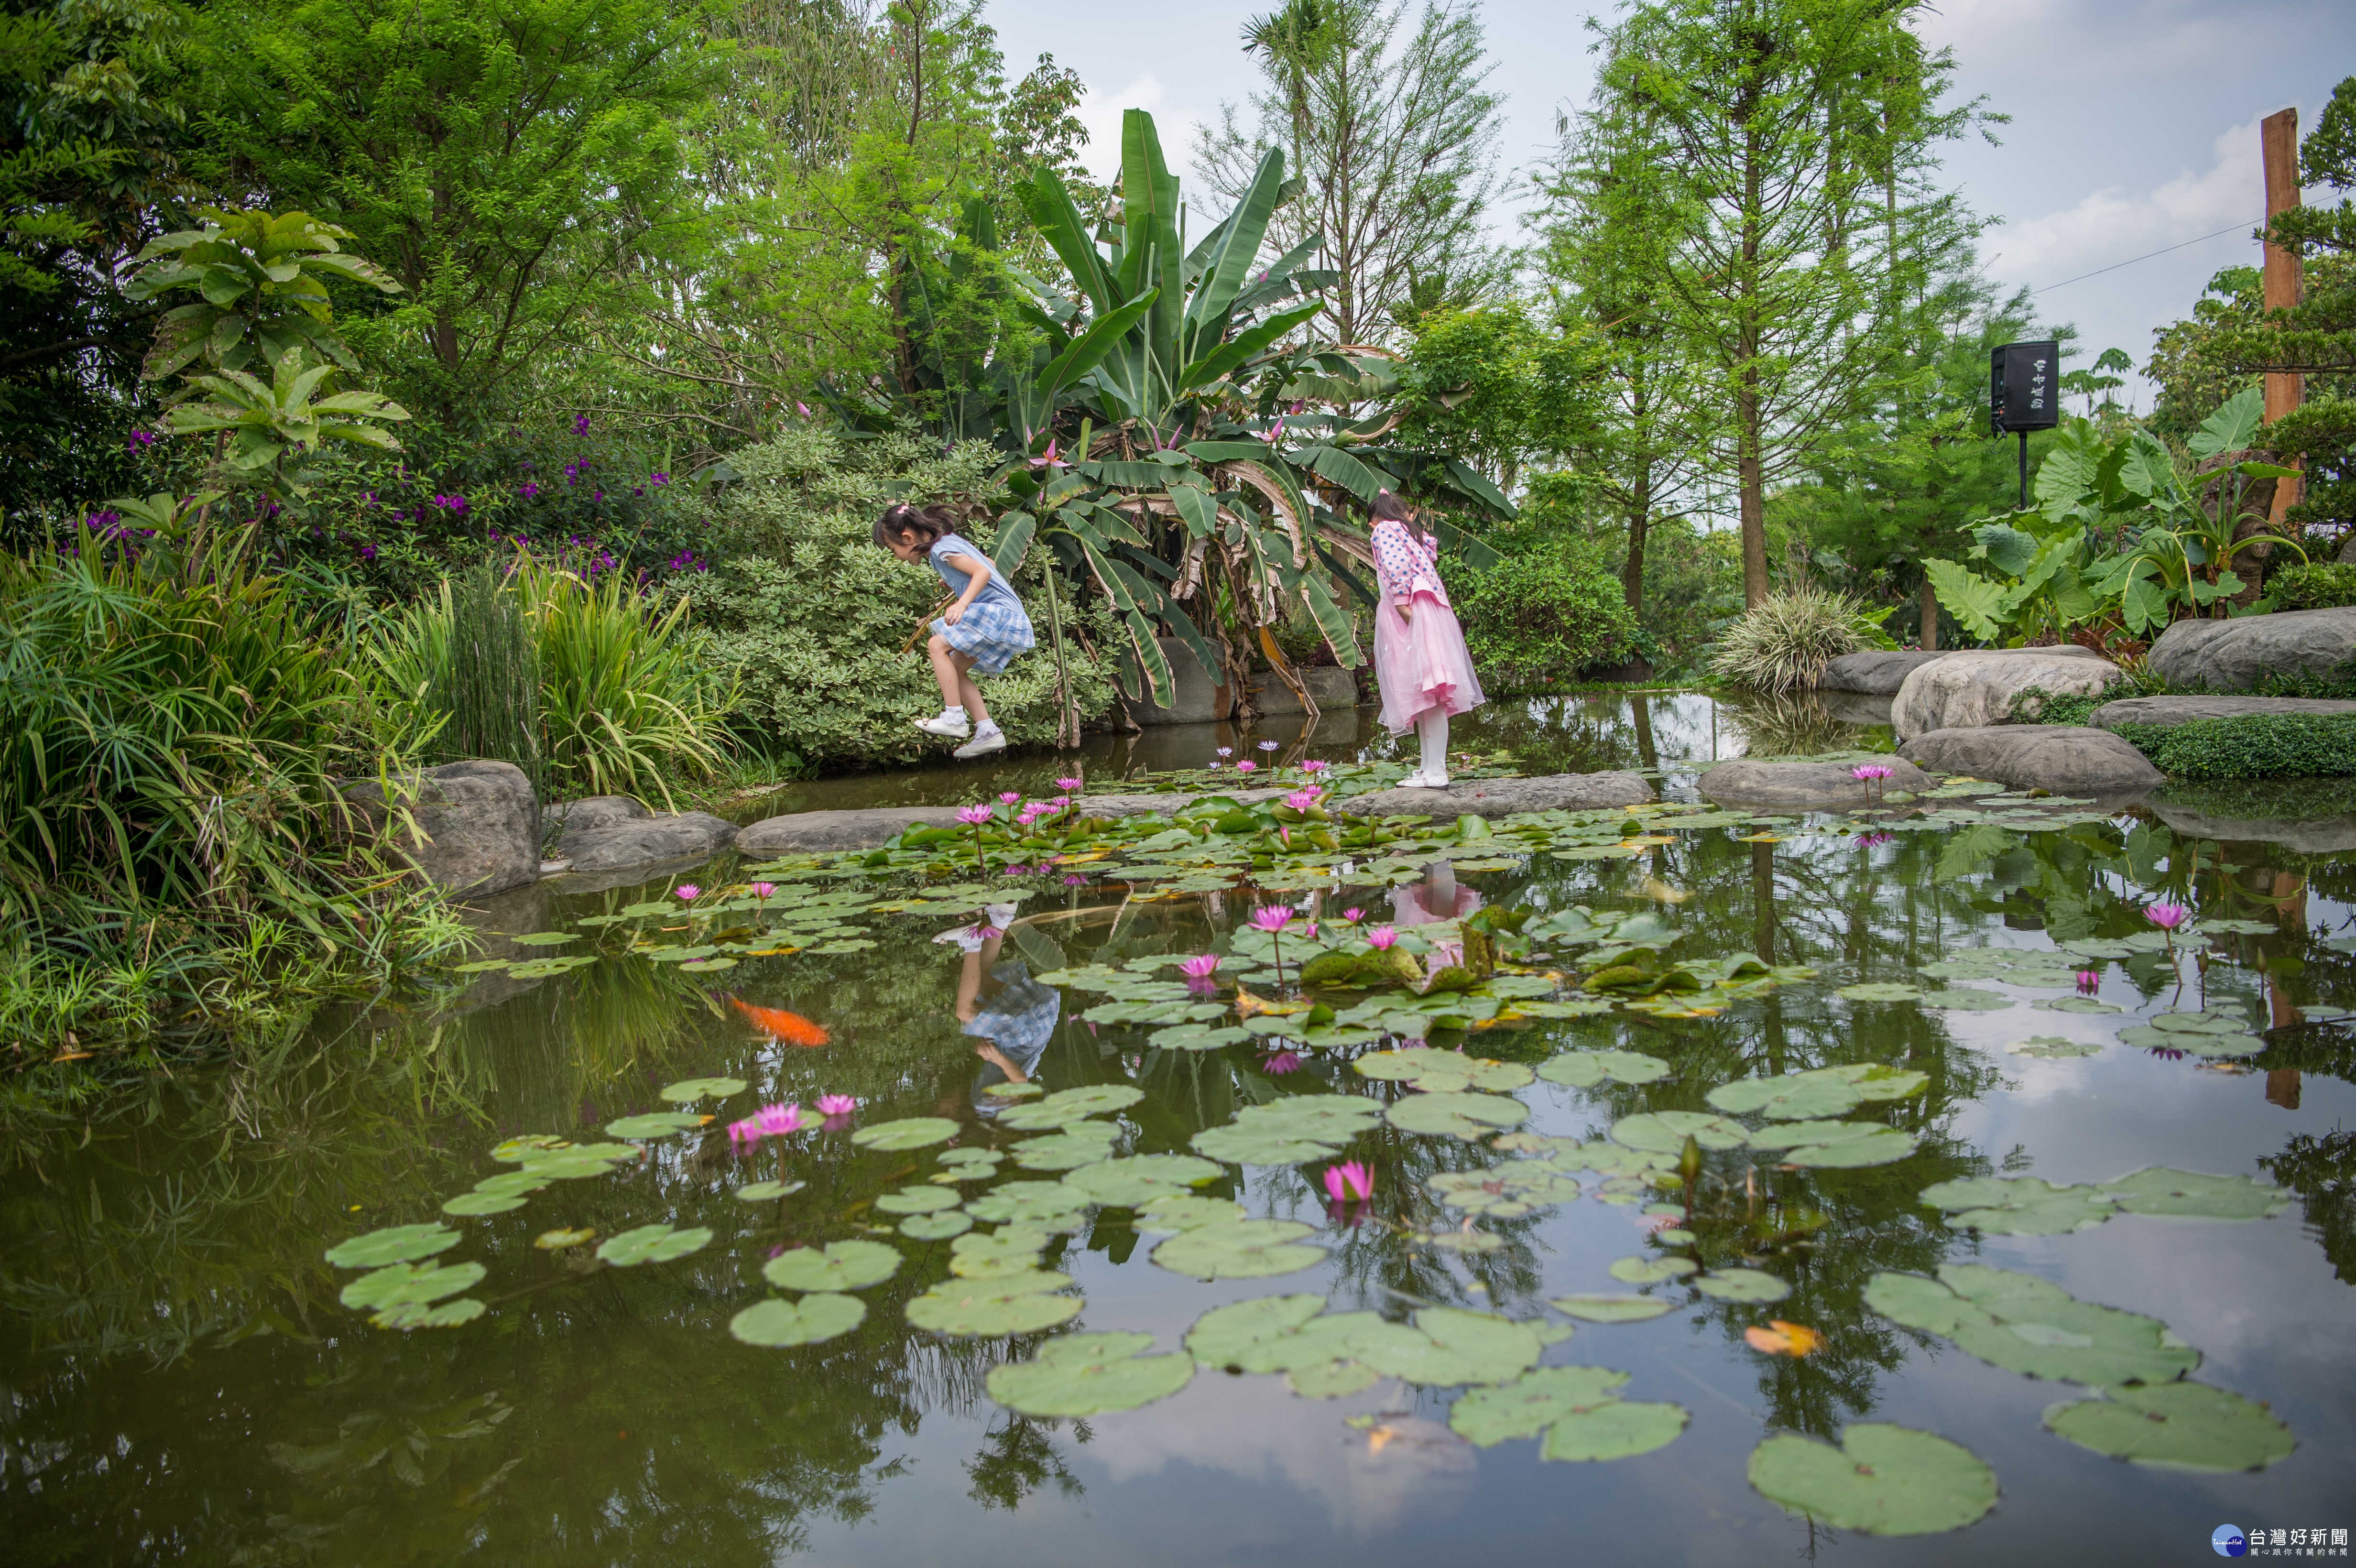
<point x="1224" y="262"/>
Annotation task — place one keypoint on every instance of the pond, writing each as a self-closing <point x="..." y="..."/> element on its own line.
<point x="1603" y="1277"/>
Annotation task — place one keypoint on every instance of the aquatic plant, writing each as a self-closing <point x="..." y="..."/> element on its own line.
<point x="1381" y="938"/>
<point x="1350" y="1180"/>
<point x="1782" y="644"/>
<point x="1271" y="918"/>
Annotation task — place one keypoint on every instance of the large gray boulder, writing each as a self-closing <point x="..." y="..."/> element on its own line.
<point x="474" y="826"/>
<point x="1813" y="787"/>
<point x="1335" y="690"/>
<point x="1503" y="797"/>
<point x="607" y="837"/>
<point x="1877" y="672"/>
<point x="1854" y="707"/>
<point x="2173" y="711"/>
<point x="1196" y="700"/>
<point x="2067" y="759"/>
<point x="1966" y="691"/>
<point x="2310" y="836"/>
<point x="2237" y="655"/>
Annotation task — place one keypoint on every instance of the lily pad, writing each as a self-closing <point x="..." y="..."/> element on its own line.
<point x="1610" y="1307"/>
<point x="2027" y="1325"/>
<point x="1619" y="1430"/>
<point x="1964" y="999"/>
<point x="969" y="1155"/>
<point x="652" y="1244"/>
<point x="548" y="968"/>
<point x="394" y="1244"/>
<point x="1665" y="1132"/>
<point x="1881" y="1481"/>
<point x="2050" y="1047"/>
<point x="1532" y="1402"/>
<point x="545" y="938"/>
<point x="1041" y="1205"/>
<point x="2188" y="1195"/>
<point x="1750" y="1285"/>
<point x="514" y="1183"/>
<point x="410" y="1284"/>
<point x="1079" y="1144"/>
<point x="917" y="1200"/>
<point x="1586" y="1069"/>
<point x="1650" y="1271"/>
<point x="1273" y="1334"/>
<point x="2018" y="1206"/>
<point x="1010" y="1249"/>
<point x="774" y="1324"/>
<point x="1248" y="1249"/>
<point x="654" y="1124"/>
<point x="1462" y="1114"/>
<point x="762" y="1191"/>
<point x="1068" y="1106"/>
<point x="908" y="1133"/>
<point x="1795" y="1096"/>
<point x="688" y="1089"/>
<point x="1448" y="1345"/>
<point x="1332" y="1380"/>
<point x="2076" y="1005"/>
<point x="996" y="1304"/>
<point x="1441" y="1071"/>
<point x="1881" y="991"/>
<point x="476" y="1204"/>
<point x="2178" y="1426"/>
<point x="937" y="1227"/>
<point x="839" y="1265"/>
<point x="1141" y="1179"/>
<point x="1197" y="1037"/>
<point x="511" y="1150"/>
<point x="417" y="1315"/>
<point x="1170" y="1211"/>
<point x="1086" y="1374"/>
<point x="1840" y="1146"/>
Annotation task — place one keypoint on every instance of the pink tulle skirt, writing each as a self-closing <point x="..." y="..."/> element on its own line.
<point x="1422" y="663"/>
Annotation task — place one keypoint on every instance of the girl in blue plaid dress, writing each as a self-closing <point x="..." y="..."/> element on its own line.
<point x="980" y="632"/>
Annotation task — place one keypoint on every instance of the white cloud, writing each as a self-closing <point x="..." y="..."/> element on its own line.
<point x="2115" y="224"/>
<point x="1101" y="112"/>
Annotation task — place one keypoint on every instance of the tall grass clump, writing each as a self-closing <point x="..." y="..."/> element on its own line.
<point x="1783" y="646"/>
<point x="172" y="833"/>
<point x="625" y="694"/>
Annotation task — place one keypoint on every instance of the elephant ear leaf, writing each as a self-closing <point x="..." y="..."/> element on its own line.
<point x="1972" y="599"/>
<point x="2233" y="427"/>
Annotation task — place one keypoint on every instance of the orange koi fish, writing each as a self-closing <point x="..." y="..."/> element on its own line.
<point x="791" y="1027"/>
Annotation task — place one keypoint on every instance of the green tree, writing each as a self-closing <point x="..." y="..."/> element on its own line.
<point x="1799" y="208"/>
<point x="1494" y="389"/>
<point x="1396" y="141"/>
<point x="512" y="164"/>
<point x="2184" y="357"/>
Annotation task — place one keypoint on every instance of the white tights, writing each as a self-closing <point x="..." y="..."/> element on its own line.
<point x="1432" y="734"/>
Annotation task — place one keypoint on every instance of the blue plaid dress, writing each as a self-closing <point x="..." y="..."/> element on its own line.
<point x="994" y="628"/>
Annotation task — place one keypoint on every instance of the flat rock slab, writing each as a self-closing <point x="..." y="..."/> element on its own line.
<point x="824" y="831"/>
<point x="2184" y="709"/>
<point x="2238" y="655"/>
<point x="1879" y="672"/>
<point x="1966" y="691"/>
<point x="1504" y="797"/>
<point x="2067" y="759"/>
<point x="2313" y="836"/>
<point x="1138" y="804"/>
<point x="621" y="841"/>
<point x="1816" y="787"/>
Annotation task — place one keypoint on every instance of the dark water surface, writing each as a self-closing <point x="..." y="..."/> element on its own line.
<point x="183" y="1386"/>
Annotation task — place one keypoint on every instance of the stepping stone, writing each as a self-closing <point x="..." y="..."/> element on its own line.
<point x="2067" y="759"/>
<point x="2238" y="655"/>
<point x="1503" y="797"/>
<point x="1816" y="787"/>
<point x="1966" y="691"/>
<point x="823" y="831"/>
<point x="2172" y="711"/>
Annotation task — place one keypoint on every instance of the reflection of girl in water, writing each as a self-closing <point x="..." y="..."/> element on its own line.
<point x="1009" y="1015"/>
<point x="1436" y="898"/>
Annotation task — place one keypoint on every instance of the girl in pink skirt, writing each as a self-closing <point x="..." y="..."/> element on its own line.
<point x="1420" y="661"/>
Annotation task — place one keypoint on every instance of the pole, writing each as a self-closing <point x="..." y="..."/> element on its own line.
<point x="2278" y="148"/>
<point x="2024" y="468"/>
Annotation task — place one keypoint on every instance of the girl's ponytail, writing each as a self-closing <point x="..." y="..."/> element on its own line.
<point x="927" y="523"/>
<point x="1386" y="508"/>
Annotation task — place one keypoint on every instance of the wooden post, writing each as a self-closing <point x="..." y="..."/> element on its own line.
<point x="2278" y="144"/>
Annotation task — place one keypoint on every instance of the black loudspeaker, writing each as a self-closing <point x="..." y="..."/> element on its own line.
<point x="2024" y="386"/>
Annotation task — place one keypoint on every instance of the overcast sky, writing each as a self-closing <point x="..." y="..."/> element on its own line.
<point x="2134" y="123"/>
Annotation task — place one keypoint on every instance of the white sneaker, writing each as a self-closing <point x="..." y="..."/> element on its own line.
<point x="988" y="737"/>
<point x="999" y="915"/>
<point x="949" y="724"/>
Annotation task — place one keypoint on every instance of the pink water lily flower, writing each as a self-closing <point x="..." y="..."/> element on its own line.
<point x="765" y="890"/>
<point x="2090" y="981"/>
<point x="1276" y="1064"/>
<point x="1873" y="771"/>
<point x="1076" y="881"/>
<point x="1349" y="1181"/>
<point x="1267" y="745"/>
<point x="1303" y="800"/>
<point x="687" y="890"/>
<point x="1247" y="767"/>
<point x="1873" y="840"/>
<point x="1015" y="871"/>
<point x="975" y="816"/>
<point x="1381" y="938"/>
<point x="1200" y="967"/>
<point x="2167" y="917"/>
<point x="1226" y="751"/>
<point x="1353" y="915"/>
<point x="1071" y="786"/>
<point x="836" y="1104"/>
<point x="1010" y="797"/>
<point x="1271" y="917"/>
<point x="768" y="1122"/>
<point x="1314" y="766"/>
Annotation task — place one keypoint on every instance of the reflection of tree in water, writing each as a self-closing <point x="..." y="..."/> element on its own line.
<point x="1017" y="1459"/>
<point x="2322" y="1171"/>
